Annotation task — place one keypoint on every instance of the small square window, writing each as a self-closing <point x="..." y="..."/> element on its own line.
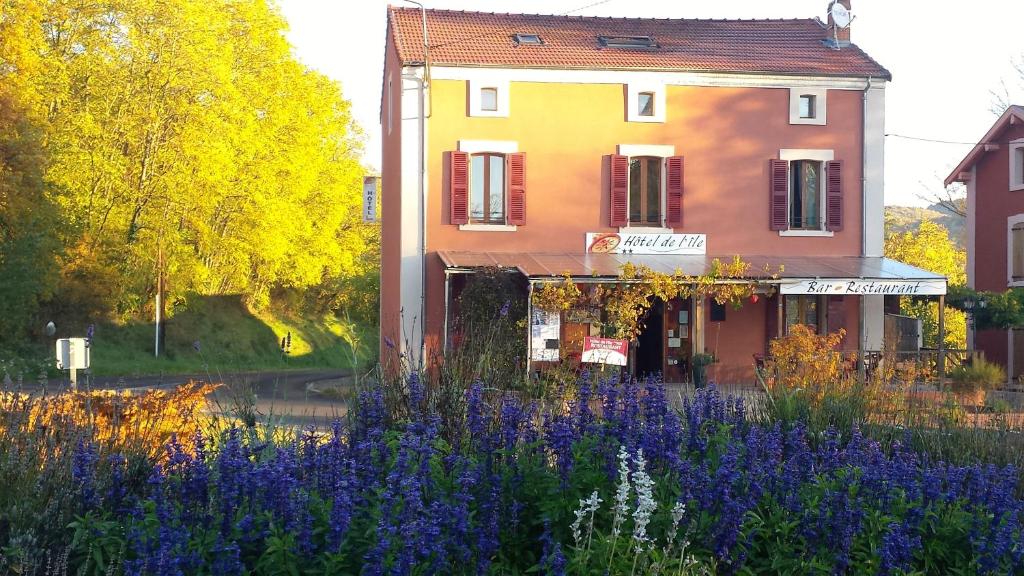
<point x="489" y="99"/>
<point x="645" y="103"/>
<point x="808" y="106"/>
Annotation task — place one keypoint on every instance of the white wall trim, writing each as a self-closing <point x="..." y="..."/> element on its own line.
<point x="790" y="154"/>
<point x="499" y="84"/>
<point x="645" y="230"/>
<point x="498" y="146"/>
<point x="657" y="150"/>
<point x="807" y="233"/>
<point x="667" y="77"/>
<point x="819" y="155"/>
<point x="488" y="227"/>
<point x="1016" y="170"/>
<point x="1011" y="221"/>
<point x="633" y="90"/>
<point x="413" y="193"/>
<point x="820" y="105"/>
<point x="873" y="183"/>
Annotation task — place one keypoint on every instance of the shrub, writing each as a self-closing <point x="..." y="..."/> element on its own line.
<point x="977" y="375"/>
<point x="57" y="450"/>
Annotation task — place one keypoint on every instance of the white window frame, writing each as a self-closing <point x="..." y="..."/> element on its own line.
<point x="475" y="100"/>
<point x="1010" y="223"/>
<point x="497" y="147"/>
<point x="633" y="90"/>
<point x="820" y="106"/>
<point x="1016" y="170"/>
<point x="817" y="155"/>
<point x="662" y="151"/>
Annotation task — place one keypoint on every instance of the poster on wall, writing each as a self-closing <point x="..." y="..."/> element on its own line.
<point x="604" y="351"/>
<point x="545" y="328"/>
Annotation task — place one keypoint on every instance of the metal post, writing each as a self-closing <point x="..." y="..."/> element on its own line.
<point x="73" y="372"/>
<point x="529" y="331"/>
<point x="942" y="340"/>
<point x="159" y="289"/>
<point x="780" y="318"/>
<point x="447" y="296"/>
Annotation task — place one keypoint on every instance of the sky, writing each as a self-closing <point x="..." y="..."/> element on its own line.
<point x="948" y="60"/>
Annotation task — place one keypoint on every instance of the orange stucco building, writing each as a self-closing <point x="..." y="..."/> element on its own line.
<point x="517" y="140"/>
<point x="993" y="173"/>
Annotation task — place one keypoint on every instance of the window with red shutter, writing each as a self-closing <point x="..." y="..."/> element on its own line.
<point x="458" y="187"/>
<point x="834" y="196"/>
<point x="778" y="211"/>
<point x="517" y="188"/>
<point x="674" y="191"/>
<point x="618" y="190"/>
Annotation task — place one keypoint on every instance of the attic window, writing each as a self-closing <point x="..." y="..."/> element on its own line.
<point x="531" y="39"/>
<point x="627" y="41"/>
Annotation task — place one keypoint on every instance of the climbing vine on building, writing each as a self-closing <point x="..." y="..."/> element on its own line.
<point x="626" y="300"/>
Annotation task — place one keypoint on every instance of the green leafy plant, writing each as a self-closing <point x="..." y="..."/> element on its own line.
<point x="974" y="379"/>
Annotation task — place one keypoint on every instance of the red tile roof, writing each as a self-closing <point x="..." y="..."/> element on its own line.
<point x="788" y="47"/>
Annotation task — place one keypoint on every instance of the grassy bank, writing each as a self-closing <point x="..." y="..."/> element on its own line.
<point x="220" y="333"/>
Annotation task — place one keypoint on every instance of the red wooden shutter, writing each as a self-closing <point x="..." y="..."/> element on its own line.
<point x="778" y="211"/>
<point x="517" y="188"/>
<point x="458" y="187"/>
<point x="674" y="191"/>
<point x="834" y="196"/>
<point x="618" y="184"/>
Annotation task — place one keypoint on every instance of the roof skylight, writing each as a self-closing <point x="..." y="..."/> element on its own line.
<point x="627" y="41"/>
<point x="531" y="39"/>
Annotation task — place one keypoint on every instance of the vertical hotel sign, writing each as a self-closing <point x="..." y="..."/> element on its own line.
<point x="370" y="198"/>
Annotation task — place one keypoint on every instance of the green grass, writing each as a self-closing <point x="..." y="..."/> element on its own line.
<point x="231" y="338"/>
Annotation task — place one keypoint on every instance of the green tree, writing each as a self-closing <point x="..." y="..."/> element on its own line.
<point x="930" y="248"/>
<point x="187" y="128"/>
<point x="28" y="243"/>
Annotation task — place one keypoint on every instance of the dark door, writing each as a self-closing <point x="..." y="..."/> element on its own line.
<point x="649" y="344"/>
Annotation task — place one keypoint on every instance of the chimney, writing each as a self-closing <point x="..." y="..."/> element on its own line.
<point x="840" y="34"/>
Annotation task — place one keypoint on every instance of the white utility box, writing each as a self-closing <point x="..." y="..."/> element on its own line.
<point x="72" y="354"/>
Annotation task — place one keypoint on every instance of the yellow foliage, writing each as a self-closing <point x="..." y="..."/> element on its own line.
<point x="807" y="361"/>
<point x="116" y="421"/>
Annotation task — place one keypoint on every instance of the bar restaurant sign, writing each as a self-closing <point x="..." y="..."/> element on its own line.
<point x="630" y="243"/>
<point x="862" y="287"/>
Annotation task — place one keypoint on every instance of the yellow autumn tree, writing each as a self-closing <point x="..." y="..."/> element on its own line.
<point x="186" y="128"/>
<point x="929" y="247"/>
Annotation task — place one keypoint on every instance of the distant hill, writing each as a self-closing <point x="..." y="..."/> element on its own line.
<point x="900" y="219"/>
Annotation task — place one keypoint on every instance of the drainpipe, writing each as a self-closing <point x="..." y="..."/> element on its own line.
<point x="862" y="337"/>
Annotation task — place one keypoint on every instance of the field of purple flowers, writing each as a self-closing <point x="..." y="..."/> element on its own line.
<point x="613" y="481"/>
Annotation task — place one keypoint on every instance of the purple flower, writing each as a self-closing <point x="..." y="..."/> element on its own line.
<point x="898" y="549"/>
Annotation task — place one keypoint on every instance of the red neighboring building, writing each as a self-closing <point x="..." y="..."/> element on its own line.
<point x="994" y="175"/>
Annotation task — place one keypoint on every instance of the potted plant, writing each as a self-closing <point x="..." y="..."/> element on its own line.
<point x="971" y="382"/>
<point x="699" y="364"/>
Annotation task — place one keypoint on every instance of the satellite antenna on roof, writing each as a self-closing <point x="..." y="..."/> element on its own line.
<point x="839" y="18"/>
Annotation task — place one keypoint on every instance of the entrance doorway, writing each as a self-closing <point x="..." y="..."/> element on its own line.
<point x="649" y="346"/>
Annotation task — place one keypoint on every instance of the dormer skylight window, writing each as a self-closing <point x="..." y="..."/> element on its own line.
<point x="528" y="39"/>
<point x="627" y="42"/>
